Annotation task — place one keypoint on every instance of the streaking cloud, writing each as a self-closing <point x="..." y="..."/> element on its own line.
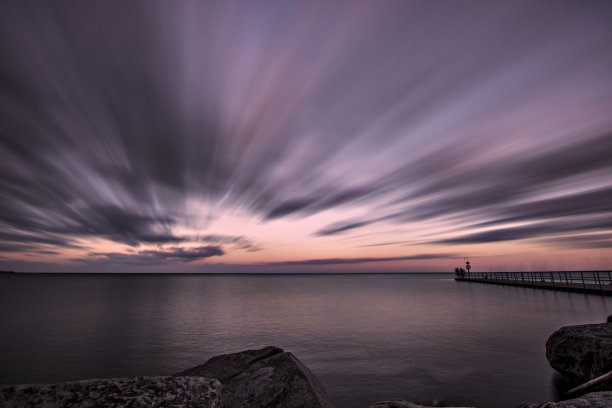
<point x="149" y="257"/>
<point x="276" y="132"/>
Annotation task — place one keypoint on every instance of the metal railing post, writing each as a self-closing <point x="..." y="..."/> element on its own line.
<point x="598" y="279"/>
<point x="552" y="279"/>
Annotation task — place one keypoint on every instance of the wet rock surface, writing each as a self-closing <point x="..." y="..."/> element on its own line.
<point x="592" y="400"/>
<point x="581" y="352"/>
<point x="264" y="378"/>
<point x="138" y="392"/>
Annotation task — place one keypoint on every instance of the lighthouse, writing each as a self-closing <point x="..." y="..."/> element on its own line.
<point x="467" y="264"/>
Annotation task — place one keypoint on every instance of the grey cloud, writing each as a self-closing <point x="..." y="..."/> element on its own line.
<point x="482" y="188"/>
<point x="322" y="200"/>
<point x="289" y="207"/>
<point x="35" y="239"/>
<point x="592" y="241"/>
<point x="338" y="261"/>
<point x="237" y="242"/>
<point x="487" y="190"/>
<point x="152" y="256"/>
<point x="384" y="244"/>
<point x="121" y="225"/>
<point x="14" y="247"/>
<point x="499" y="182"/>
<point x="586" y="203"/>
<point x="502" y="234"/>
<point x="340" y="228"/>
<point x="47" y="252"/>
<point x="116" y="224"/>
<point x="532" y="231"/>
<point x="87" y="123"/>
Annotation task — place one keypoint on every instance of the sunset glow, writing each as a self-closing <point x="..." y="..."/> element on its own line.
<point x="275" y="136"/>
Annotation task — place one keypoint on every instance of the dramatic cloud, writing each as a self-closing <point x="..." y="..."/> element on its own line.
<point x="33" y="239"/>
<point x="491" y="190"/>
<point x="151" y="126"/>
<point x="534" y="230"/>
<point x="153" y="257"/>
<point x="591" y="241"/>
<point x="339" y="261"/>
<point x="238" y="242"/>
<point x="339" y="228"/>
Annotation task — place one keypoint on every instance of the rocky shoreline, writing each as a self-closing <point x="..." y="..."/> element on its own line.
<point x="581" y="352"/>
<point x="273" y="378"/>
<point x="269" y="377"/>
<point x="137" y="392"/>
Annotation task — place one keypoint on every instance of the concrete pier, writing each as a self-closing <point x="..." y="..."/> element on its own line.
<point x="595" y="282"/>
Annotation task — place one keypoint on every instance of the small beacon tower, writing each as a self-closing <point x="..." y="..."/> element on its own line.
<point x="467" y="264"/>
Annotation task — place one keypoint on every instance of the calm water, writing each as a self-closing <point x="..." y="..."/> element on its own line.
<point x="367" y="337"/>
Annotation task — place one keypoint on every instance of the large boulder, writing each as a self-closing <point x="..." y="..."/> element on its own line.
<point x="138" y="392"/>
<point x="592" y="400"/>
<point x="581" y="352"/>
<point x="265" y="378"/>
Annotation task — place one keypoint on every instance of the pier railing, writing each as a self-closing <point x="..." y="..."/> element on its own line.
<point x="580" y="281"/>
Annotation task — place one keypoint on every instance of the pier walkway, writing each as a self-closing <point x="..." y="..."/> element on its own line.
<point x="596" y="282"/>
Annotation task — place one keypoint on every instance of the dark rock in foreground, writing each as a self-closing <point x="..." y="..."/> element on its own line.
<point x="593" y="400"/>
<point x="138" y="392"/>
<point x="397" y="403"/>
<point x="581" y="352"/>
<point x="265" y="378"/>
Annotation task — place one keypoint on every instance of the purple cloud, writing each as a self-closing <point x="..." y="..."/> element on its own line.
<point x="175" y="254"/>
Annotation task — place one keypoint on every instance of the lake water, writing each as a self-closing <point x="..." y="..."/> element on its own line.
<point x="420" y="337"/>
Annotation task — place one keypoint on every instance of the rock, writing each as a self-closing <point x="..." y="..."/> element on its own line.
<point x="265" y="378"/>
<point x="398" y="403"/>
<point x="609" y="319"/>
<point x="138" y="392"/>
<point x="581" y="352"/>
<point x="592" y="400"/>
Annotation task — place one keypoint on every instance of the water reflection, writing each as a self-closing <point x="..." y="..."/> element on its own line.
<point x="367" y="337"/>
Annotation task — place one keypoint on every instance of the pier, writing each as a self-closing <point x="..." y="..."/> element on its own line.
<point x="595" y="282"/>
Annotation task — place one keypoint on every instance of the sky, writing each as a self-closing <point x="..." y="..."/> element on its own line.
<point x="305" y="136"/>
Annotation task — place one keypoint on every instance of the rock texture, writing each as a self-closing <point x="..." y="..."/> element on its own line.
<point x="265" y="378"/>
<point x="593" y="400"/>
<point x="138" y="392"/>
<point x="397" y="403"/>
<point x="581" y="352"/>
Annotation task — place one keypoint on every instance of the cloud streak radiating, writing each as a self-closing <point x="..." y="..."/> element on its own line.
<point x="153" y="257"/>
<point x="280" y="131"/>
<point x="352" y="261"/>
